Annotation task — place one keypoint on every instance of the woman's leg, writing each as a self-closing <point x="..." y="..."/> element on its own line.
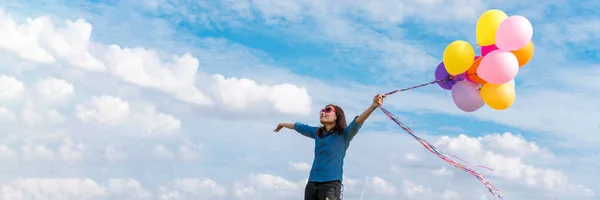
<point x="331" y="190"/>
<point x="310" y="191"/>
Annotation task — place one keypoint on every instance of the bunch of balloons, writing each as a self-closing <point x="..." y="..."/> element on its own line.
<point x="489" y="78"/>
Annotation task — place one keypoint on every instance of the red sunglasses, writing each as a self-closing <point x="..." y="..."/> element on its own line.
<point x="328" y="109"/>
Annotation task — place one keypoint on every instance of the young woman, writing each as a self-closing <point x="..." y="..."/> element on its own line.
<point x="332" y="139"/>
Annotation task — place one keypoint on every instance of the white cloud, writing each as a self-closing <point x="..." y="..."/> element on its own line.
<point x="7" y="115"/>
<point x="7" y="154"/>
<point x="114" y="154"/>
<point x="71" y="152"/>
<point x="52" y="188"/>
<point x="381" y="186"/>
<point x="161" y="151"/>
<point x="54" y="90"/>
<point x="138" y="66"/>
<point x="416" y="191"/>
<point x="34" y="116"/>
<point x="411" y="157"/>
<point x="144" y="68"/>
<point x="442" y="171"/>
<point x="517" y="144"/>
<point x="10" y="88"/>
<point x="186" y="188"/>
<point x="186" y="150"/>
<point x="451" y="195"/>
<point x="189" y="151"/>
<point x="156" y="124"/>
<point x="104" y="109"/>
<point x="241" y="93"/>
<point x="129" y="189"/>
<point x="300" y="166"/>
<point x="510" y="167"/>
<point x="24" y="40"/>
<point x="267" y="186"/>
<point x="253" y="186"/>
<point x="31" y="151"/>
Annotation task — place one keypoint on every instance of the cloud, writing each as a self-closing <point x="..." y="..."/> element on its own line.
<point x="54" y="90"/>
<point x="11" y="88"/>
<point x="238" y="93"/>
<point x="52" y="188"/>
<point x="104" y="109"/>
<point x="144" y="68"/>
<point x="8" y="154"/>
<point x="510" y="167"/>
<point x="138" y="66"/>
<point x="191" y="188"/>
<point x="114" y="154"/>
<point x="300" y="166"/>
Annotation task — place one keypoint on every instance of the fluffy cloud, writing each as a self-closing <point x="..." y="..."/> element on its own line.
<point x="48" y="43"/>
<point x="54" y="90"/>
<point x="512" y="167"/>
<point x="11" y="87"/>
<point x="300" y="166"/>
<point x="104" y="109"/>
<point x="238" y="93"/>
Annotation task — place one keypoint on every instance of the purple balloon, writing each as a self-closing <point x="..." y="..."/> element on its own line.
<point x="466" y="96"/>
<point x="441" y="73"/>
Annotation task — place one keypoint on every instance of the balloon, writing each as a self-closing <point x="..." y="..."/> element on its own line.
<point x="512" y="83"/>
<point x="487" y="25"/>
<point x="472" y="72"/>
<point x="487" y="49"/>
<point x="524" y="54"/>
<point x="498" y="67"/>
<point x="458" y="57"/>
<point x="514" y="33"/>
<point x="466" y="96"/>
<point x="441" y="73"/>
<point x="498" y="96"/>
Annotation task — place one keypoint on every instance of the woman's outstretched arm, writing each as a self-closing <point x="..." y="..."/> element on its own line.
<point x="377" y="101"/>
<point x="284" y="125"/>
<point x="356" y="124"/>
<point x="306" y="130"/>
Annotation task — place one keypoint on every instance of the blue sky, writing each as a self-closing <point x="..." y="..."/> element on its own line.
<point x="177" y="100"/>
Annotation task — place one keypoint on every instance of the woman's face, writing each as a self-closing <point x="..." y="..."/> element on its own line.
<point x="327" y="115"/>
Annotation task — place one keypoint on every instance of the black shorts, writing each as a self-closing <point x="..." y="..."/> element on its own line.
<point x="330" y="190"/>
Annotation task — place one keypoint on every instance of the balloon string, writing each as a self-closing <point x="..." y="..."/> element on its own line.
<point x="495" y="192"/>
<point x="426" y="84"/>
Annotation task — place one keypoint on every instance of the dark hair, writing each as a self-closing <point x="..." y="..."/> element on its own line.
<point x="340" y="122"/>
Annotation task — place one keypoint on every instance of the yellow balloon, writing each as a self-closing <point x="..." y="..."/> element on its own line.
<point x="498" y="96"/>
<point x="458" y="57"/>
<point x="487" y="25"/>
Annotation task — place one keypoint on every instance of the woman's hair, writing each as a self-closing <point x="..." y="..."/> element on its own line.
<point x="340" y="122"/>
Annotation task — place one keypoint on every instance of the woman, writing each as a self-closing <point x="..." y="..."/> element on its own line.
<point x="332" y="139"/>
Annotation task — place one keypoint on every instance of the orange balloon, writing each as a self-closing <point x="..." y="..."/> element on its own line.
<point x="524" y="54"/>
<point x="498" y="97"/>
<point x="472" y="72"/>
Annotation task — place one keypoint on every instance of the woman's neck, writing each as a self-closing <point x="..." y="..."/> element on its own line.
<point x="329" y="127"/>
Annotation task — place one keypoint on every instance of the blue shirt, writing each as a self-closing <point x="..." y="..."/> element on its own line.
<point x="329" y="151"/>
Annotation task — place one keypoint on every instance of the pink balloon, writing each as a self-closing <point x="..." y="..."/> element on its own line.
<point x="514" y="33"/>
<point x="498" y="67"/>
<point x="487" y="49"/>
<point x="466" y="96"/>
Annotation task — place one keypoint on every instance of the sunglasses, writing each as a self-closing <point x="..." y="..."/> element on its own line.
<point x="327" y="110"/>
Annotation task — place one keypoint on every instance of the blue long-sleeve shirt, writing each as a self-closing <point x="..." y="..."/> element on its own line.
<point x="329" y="151"/>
